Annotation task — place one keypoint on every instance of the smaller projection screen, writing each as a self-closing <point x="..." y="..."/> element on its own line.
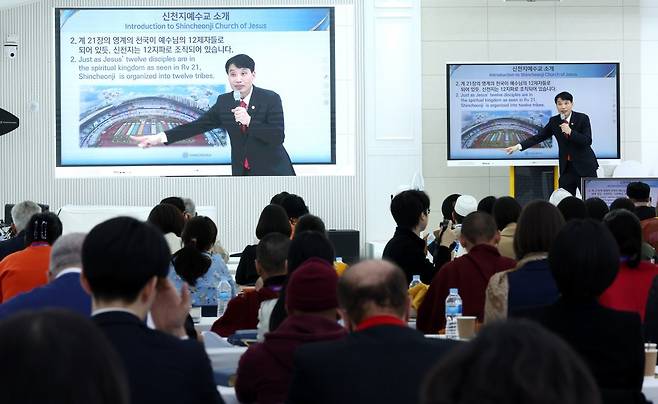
<point x="494" y="106"/>
<point x="610" y="189"/>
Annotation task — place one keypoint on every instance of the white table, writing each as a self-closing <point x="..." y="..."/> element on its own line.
<point x="204" y="324"/>
<point x="228" y="394"/>
<point x="650" y="388"/>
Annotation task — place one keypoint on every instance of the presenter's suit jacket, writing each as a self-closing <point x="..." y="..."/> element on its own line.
<point x="262" y="144"/>
<point x="161" y="369"/>
<point x="577" y="145"/>
<point x="381" y="364"/>
<point x="64" y="292"/>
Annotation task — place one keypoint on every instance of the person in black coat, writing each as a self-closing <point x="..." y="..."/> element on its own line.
<point x="382" y="360"/>
<point x="20" y="215"/>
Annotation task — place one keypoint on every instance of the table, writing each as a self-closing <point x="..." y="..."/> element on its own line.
<point x="650" y="388"/>
<point x="228" y="394"/>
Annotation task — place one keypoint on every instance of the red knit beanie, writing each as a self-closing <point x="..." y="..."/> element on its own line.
<point x="312" y="287"/>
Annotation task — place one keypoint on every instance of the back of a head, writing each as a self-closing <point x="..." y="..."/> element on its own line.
<point x="168" y="218"/>
<point x="572" y="208"/>
<point x="464" y="205"/>
<point x="479" y="228"/>
<point x="506" y="210"/>
<point x="273" y="219"/>
<point x="627" y="231"/>
<point x="310" y="222"/>
<point x="515" y="361"/>
<point x="448" y="206"/>
<point x="638" y="191"/>
<point x="309" y="244"/>
<point x="372" y="288"/>
<point x="278" y="198"/>
<point x="407" y="206"/>
<point x="486" y="204"/>
<point x="66" y="253"/>
<point x="538" y="225"/>
<point x="584" y="259"/>
<point x="56" y="356"/>
<point x="190" y="262"/>
<point x="557" y="196"/>
<point x="22" y="212"/>
<point x="295" y="206"/>
<point x="596" y="208"/>
<point x="622" y="203"/>
<point x="120" y="256"/>
<point x="312" y="288"/>
<point x="43" y="227"/>
<point x="177" y="201"/>
<point x="272" y="253"/>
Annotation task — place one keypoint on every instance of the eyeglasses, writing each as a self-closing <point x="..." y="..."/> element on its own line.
<point x="427" y="212"/>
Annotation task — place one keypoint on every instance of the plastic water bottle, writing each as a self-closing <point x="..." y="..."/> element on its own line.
<point x="223" y="296"/>
<point x="414" y="281"/>
<point x="453" y="310"/>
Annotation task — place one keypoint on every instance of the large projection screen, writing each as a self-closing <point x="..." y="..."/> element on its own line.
<point x="495" y="105"/>
<point x="139" y="71"/>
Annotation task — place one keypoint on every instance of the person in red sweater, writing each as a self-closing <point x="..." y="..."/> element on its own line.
<point x="469" y="273"/>
<point x="242" y="311"/>
<point x="27" y="269"/>
<point x="630" y="289"/>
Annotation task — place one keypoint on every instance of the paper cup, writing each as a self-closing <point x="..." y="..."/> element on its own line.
<point x="466" y="326"/>
<point x="650" y="362"/>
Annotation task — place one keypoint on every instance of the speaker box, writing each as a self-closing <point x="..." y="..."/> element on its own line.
<point x="8" y="221"/>
<point x="346" y="244"/>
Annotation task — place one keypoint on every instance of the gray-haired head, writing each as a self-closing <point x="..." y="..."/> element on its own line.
<point x="22" y="212"/>
<point x="66" y="253"/>
<point x="190" y="207"/>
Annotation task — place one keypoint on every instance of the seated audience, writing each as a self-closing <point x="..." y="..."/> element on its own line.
<point x="265" y="370"/>
<point x="506" y="213"/>
<point x="20" y="215"/>
<point x="295" y="208"/>
<point x="529" y="284"/>
<point x="557" y="196"/>
<point x="195" y="265"/>
<point x="630" y="289"/>
<point x="448" y="206"/>
<point x="486" y="204"/>
<point x="63" y="290"/>
<point x="596" y="208"/>
<point x="623" y="203"/>
<point x="54" y="357"/>
<point x="190" y="208"/>
<point x="278" y="198"/>
<point x="273" y="219"/>
<point x="511" y="362"/>
<point x="584" y="260"/>
<point x="124" y="268"/>
<point x="382" y="360"/>
<point x="178" y="202"/>
<point x="310" y="222"/>
<point x="242" y="311"/>
<point x="170" y="221"/>
<point x="639" y="193"/>
<point x="572" y="208"/>
<point x="27" y="269"/>
<point x="464" y="205"/>
<point x="469" y="274"/>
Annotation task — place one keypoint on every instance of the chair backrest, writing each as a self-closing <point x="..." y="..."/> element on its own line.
<point x="650" y="231"/>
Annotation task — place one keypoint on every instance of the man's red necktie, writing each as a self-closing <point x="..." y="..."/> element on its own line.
<point x="243" y="129"/>
<point x="567" y="136"/>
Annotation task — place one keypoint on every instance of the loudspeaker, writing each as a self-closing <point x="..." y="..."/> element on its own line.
<point x="8" y="221"/>
<point x="346" y="244"/>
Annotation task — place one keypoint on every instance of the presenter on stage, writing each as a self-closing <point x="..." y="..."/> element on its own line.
<point x="253" y="118"/>
<point x="574" y="138"/>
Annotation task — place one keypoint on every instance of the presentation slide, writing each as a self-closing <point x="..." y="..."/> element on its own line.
<point x="610" y="189"/>
<point x="493" y="106"/>
<point x="123" y="72"/>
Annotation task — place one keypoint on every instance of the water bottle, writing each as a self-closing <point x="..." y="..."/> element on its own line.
<point x="223" y="296"/>
<point x="414" y="281"/>
<point x="453" y="310"/>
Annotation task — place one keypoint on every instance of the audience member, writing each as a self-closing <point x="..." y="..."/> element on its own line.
<point x="310" y="222"/>
<point x="382" y="360"/>
<point x="27" y="269"/>
<point x="177" y="201"/>
<point x="464" y="205"/>
<point x="170" y="220"/>
<point x="124" y="268"/>
<point x="295" y="208"/>
<point x="530" y="284"/>
<point x="511" y="362"/>
<point x="469" y="274"/>
<point x="622" y="203"/>
<point x="448" y="206"/>
<point x="557" y="196"/>
<point x="273" y="219"/>
<point x="190" y="208"/>
<point x="278" y="198"/>
<point x="63" y="290"/>
<point x="265" y="370"/>
<point x="54" y="357"/>
<point x="596" y="208"/>
<point x="242" y="311"/>
<point x="584" y="260"/>
<point x="506" y="213"/>
<point x="639" y="193"/>
<point x="572" y="208"/>
<point x="486" y="204"/>
<point x="651" y="313"/>
<point x="630" y="289"/>
<point x="20" y="215"/>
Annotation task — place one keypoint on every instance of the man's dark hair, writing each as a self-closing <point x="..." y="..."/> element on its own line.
<point x="516" y="361"/>
<point x="584" y="259"/>
<point x="272" y="252"/>
<point x="389" y="292"/>
<point x="538" y="225"/>
<point x="596" y="208"/>
<point x="190" y="262"/>
<point x="295" y="206"/>
<point x="278" y="198"/>
<point x="241" y="61"/>
<point x="622" y="203"/>
<point x="273" y="219"/>
<point x="167" y="218"/>
<point x="564" y="96"/>
<point x="310" y="222"/>
<point x="121" y="255"/>
<point x="177" y="201"/>
<point x="407" y="206"/>
<point x="44" y="227"/>
<point x="627" y="231"/>
<point x="478" y="227"/>
<point x="506" y="210"/>
<point x="56" y="347"/>
<point x="448" y="206"/>
<point x="572" y="208"/>
<point x="638" y="191"/>
<point x="309" y="244"/>
<point x="486" y="204"/>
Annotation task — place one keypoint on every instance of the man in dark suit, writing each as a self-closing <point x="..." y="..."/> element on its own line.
<point x="382" y="360"/>
<point x="640" y="194"/>
<point x="573" y="133"/>
<point x="254" y="123"/>
<point x="125" y="264"/>
<point x="20" y="215"/>
<point x="63" y="290"/>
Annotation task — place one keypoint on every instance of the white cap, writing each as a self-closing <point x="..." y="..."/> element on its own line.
<point x="465" y="204"/>
<point x="558" y="195"/>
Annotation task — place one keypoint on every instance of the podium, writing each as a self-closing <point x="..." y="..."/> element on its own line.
<point x="533" y="182"/>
